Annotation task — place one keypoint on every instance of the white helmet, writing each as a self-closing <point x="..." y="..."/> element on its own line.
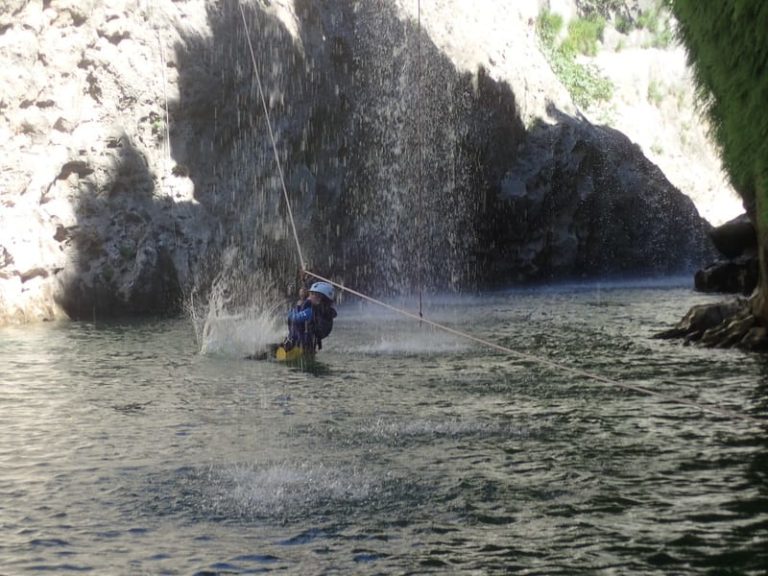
<point x="323" y="288"/>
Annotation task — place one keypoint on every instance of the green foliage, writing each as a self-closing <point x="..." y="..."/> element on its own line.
<point x="655" y="20"/>
<point x="604" y="8"/>
<point x="548" y="26"/>
<point x="158" y="128"/>
<point x="585" y="83"/>
<point x="727" y="44"/>
<point x="649" y="20"/>
<point x="583" y="34"/>
<point x="660" y="28"/>
<point x="665" y="36"/>
<point x="624" y="24"/>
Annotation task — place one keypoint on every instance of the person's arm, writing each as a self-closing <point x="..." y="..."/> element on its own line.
<point x="300" y="315"/>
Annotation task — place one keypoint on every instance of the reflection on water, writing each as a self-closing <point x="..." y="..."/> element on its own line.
<point x="124" y="450"/>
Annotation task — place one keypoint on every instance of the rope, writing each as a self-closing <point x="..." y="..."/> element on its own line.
<point x="516" y="353"/>
<point x="539" y="360"/>
<point x="420" y="144"/>
<point x="272" y="138"/>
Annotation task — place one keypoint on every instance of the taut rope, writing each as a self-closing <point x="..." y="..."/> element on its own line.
<point x="272" y="136"/>
<point x="420" y="144"/>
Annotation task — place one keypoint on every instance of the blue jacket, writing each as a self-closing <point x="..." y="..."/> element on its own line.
<point x="308" y="325"/>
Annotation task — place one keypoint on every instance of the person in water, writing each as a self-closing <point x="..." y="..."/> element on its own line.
<point x="311" y="319"/>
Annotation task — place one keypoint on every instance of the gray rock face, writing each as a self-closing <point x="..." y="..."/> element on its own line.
<point x="401" y="169"/>
<point x="582" y="200"/>
<point x="735" y="276"/>
<point x="721" y="325"/>
<point x="736" y="237"/>
<point x="738" y="270"/>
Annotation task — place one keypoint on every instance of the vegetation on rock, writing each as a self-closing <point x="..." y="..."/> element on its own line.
<point x="626" y="16"/>
<point x="584" y="82"/>
<point x="727" y="43"/>
<point x="583" y="35"/>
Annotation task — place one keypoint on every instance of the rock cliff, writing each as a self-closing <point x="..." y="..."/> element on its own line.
<point x="137" y="168"/>
<point x="93" y="217"/>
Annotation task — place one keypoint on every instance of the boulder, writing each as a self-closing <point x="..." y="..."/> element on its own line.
<point x="721" y="325"/>
<point x="703" y="317"/>
<point x="737" y="276"/>
<point x="735" y="238"/>
<point x="738" y="272"/>
<point x="582" y="200"/>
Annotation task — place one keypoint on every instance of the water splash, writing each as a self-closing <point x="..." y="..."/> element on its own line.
<point x="414" y="344"/>
<point x="412" y="187"/>
<point x="239" y="335"/>
<point x="399" y="431"/>
<point x="283" y="490"/>
<point x="381" y="138"/>
<point x="242" y="314"/>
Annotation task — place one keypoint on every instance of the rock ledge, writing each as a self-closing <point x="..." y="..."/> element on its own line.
<point x="721" y="325"/>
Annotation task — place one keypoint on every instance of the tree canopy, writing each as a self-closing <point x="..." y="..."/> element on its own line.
<point x="727" y="44"/>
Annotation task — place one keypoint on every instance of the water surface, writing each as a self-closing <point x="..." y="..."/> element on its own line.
<point x="126" y="451"/>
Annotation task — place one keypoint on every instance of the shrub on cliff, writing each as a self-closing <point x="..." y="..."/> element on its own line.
<point x="584" y="82"/>
<point x="583" y="35"/>
<point x="727" y="44"/>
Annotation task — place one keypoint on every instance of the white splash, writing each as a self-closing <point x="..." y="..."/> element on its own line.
<point x="240" y="334"/>
<point x="285" y="489"/>
<point x="414" y="344"/>
<point x="238" y="320"/>
<point x="394" y="430"/>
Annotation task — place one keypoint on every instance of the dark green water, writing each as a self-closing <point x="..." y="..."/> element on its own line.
<point x="126" y="451"/>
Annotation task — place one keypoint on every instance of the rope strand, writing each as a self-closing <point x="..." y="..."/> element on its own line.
<point x="420" y="144"/>
<point x="539" y="360"/>
<point x="272" y="137"/>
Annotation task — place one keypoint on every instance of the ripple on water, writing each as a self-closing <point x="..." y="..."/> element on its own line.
<point x="126" y="451"/>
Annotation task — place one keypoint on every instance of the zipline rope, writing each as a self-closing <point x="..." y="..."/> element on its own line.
<point x="420" y="145"/>
<point x="272" y="137"/>
<point x="537" y="359"/>
<point x="521" y="355"/>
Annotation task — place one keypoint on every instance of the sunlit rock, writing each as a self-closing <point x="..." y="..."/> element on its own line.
<point x="137" y="152"/>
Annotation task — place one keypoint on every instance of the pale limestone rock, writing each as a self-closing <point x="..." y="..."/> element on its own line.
<point x="500" y="37"/>
<point x="654" y="104"/>
<point x="91" y="205"/>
